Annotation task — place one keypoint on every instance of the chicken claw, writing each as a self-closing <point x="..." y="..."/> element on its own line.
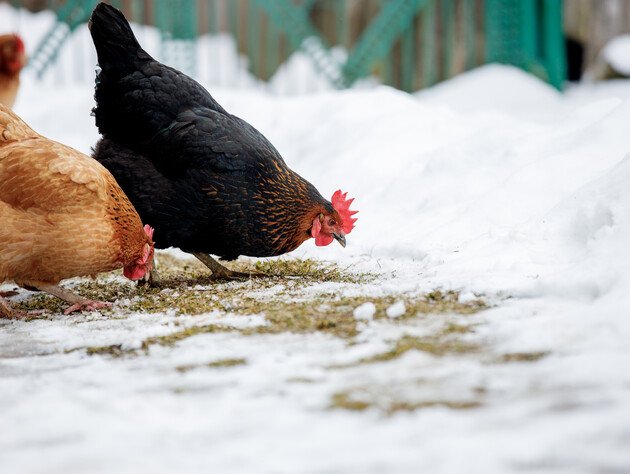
<point x="78" y="302"/>
<point x="7" y="311"/>
<point x="81" y="304"/>
<point x="87" y="306"/>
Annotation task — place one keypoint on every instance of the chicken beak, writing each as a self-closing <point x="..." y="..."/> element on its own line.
<point x="341" y="239"/>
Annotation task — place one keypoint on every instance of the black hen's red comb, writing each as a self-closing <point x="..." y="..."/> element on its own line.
<point x="342" y="206"/>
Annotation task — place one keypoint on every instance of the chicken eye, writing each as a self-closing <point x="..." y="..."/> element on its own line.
<point x="331" y="222"/>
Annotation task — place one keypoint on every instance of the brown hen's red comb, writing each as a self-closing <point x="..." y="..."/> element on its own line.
<point x="342" y="206"/>
<point x="19" y="42"/>
<point x="147" y="251"/>
<point x="149" y="231"/>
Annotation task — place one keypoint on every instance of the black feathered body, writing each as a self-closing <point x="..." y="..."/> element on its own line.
<point x="206" y="180"/>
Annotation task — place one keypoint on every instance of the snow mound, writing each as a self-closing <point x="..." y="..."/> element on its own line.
<point x="493" y="88"/>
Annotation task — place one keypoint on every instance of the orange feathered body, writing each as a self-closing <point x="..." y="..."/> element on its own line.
<point x="62" y="214"/>
<point x="12" y="60"/>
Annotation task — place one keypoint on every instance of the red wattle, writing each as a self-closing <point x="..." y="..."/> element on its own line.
<point x="134" y="273"/>
<point x="323" y="239"/>
<point x="317" y="226"/>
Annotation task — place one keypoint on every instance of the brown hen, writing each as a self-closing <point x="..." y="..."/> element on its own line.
<point x="62" y="215"/>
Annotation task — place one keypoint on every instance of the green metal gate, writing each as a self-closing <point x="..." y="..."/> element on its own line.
<point x="409" y="44"/>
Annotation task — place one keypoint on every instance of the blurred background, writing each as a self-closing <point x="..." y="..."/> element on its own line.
<point x="300" y="46"/>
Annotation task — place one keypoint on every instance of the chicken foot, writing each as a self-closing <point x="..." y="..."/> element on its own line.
<point x="81" y="304"/>
<point x="78" y="302"/>
<point x="219" y="272"/>
<point x="6" y="311"/>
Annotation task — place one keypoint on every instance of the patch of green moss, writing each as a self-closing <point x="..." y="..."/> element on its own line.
<point x="448" y="301"/>
<point x="183" y="295"/>
<point x="320" y="314"/>
<point x="302" y="272"/>
<point x="115" y="350"/>
<point x="312" y="270"/>
<point x="334" y="317"/>
<point x="345" y="401"/>
<point x="41" y="301"/>
<point x="452" y="404"/>
<point x="443" y="342"/>
<point x="453" y="328"/>
<point x="214" y="364"/>
<point x="88" y="288"/>
<point x="438" y="344"/>
<point x="171" y="339"/>
<point x="227" y="363"/>
<point x="348" y="400"/>
<point x="191" y="291"/>
<point x="523" y="356"/>
<point x="181" y="276"/>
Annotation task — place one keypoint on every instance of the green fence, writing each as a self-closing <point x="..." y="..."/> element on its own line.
<point x="527" y="34"/>
<point x="409" y="44"/>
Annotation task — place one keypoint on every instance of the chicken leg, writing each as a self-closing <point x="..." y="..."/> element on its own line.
<point x="219" y="272"/>
<point x="5" y="309"/>
<point x="78" y="302"/>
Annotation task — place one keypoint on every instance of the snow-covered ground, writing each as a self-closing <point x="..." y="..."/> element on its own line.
<point x="491" y="184"/>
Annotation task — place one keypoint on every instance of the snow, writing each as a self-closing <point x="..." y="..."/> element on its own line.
<point x="492" y="184"/>
<point x="396" y="310"/>
<point x="365" y="311"/>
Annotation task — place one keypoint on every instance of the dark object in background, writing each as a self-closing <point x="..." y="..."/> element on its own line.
<point x="575" y="59"/>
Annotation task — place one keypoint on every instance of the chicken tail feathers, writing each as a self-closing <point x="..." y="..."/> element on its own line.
<point x="117" y="48"/>
<point x="136" y="96"/>
<point x="12" y="127"/>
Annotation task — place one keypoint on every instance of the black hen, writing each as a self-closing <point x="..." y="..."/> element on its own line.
<point x="207" y="181"/>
